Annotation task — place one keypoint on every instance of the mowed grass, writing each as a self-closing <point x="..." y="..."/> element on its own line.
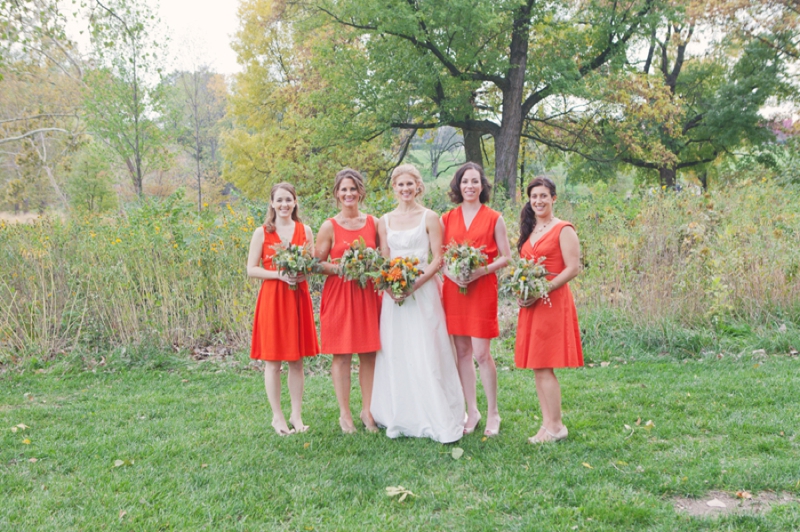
<point x="200" y="454"/>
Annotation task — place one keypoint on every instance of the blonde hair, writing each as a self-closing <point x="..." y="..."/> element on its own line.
<point x="409" y="169"/>
<point x="269" y="224"/>
<point x="358" y="179"/>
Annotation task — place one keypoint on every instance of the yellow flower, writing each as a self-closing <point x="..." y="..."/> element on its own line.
<point x="523" y="278"/>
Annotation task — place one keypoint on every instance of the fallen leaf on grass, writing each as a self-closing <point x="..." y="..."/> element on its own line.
<point x="23" y="426"/>
<point x="604" y="364"/>
<point x="649" y="425"/>
<point x="14" y="429"/>
<point x="716" y="503"/>
<point x="203" y="465"/>
<point x="26" y="441"/>
<point x="120" y="463"/>
<point x="484" y="438"/>
<point x="782" y="328"/>
<point x="33" y="460"/>
<point x="628" y="427"/>
<point x="393" y="491"/>
<point x="457" y="453"/>
<point x="122" y="513"/>
<point x="792" y="352"/>
<point x="744" y="494"/>
<point x="584" y="464"/>
<point x="638" y="422"/>
<point x="306" y="445"/>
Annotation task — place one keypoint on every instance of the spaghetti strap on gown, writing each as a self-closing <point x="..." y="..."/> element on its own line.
<point x="416" y="390"/>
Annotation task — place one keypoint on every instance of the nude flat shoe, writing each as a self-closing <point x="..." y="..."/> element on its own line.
<point x="549" y="437"/>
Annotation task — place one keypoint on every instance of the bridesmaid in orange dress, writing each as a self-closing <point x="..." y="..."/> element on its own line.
<point x="472" y="317"/>
<point x="548" y="336"/>
<point x="349" y="314"/>
<point x="283" y="329"/>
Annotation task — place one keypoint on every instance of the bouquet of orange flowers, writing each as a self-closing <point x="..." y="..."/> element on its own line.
<point x="526" y="279"/>
<point x="397" y="276"/>
<point x="359" y="262"/>
<point x="462" y="260"/>
<point x="294" y="260"/>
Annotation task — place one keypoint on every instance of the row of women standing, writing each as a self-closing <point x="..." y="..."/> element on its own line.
<point x="416" y="367"/>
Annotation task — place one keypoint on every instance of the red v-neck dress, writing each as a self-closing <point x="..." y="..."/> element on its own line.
<point x="349" y="315"/>
<point x="549" y="336"/>
<point x="474" y="313"/>
<point x="283" y="328"/>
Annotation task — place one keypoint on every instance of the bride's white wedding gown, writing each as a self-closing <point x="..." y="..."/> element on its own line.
<point x="417" y="391"/>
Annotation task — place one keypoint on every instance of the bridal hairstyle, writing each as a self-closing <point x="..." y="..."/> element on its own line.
<point x="455" y="184"/>
<point x="358" y="179"/>
<point x="527" y="219"/>
<point x="411" y="170"/>
<point x="269" y="224"/>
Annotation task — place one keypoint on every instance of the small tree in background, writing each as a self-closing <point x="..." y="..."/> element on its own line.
<point x="90" y="182"/>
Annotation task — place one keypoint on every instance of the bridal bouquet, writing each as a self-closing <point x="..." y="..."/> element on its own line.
<point x="358" y="262"/>
<point x="397" y="276"/>
<point x="525" y="279"/>
<point x="462" y="260"/>
<point x="294" y="260"/>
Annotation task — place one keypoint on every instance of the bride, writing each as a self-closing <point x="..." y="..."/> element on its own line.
<point x="416" y="390"/>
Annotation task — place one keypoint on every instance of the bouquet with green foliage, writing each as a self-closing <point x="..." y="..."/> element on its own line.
<point x="462" y="260"/>
<point x="397" y="276"/>
<point x="294" y="260"/>
<point x="526" y="279"/>
<point x="358" y="262"/>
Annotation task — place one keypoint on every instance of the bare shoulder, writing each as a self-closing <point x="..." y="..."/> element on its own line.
<point x="309" y="233"/>
<point x="258" y="234"/>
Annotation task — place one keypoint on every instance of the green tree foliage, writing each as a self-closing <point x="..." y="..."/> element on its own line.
<point x="90" y="182"/>
<point x="123" y="98"/>
<point x="274" y="117"/>
<point x="484" y="66"/>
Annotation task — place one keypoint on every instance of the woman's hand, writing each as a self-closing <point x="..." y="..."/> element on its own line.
<point x="458" y="282"/>
<point x="291" y="279"/>
<point x="477" y="274"/>
<point x="525" y="303"/>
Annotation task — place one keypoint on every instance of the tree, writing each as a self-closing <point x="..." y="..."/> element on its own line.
<point x="197" y="103"/>
<point x="677" y="110"/>
<point x="90" y="183"/>
<point x="123" y="100"/>
<point x="484" y="66"/>
<point x="273" y="114"/>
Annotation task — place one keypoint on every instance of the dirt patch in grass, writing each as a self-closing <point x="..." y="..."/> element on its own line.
<point x="721" y="503"/>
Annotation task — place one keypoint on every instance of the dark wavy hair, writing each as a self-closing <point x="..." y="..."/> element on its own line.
<point x="527" y="219"/>
<point x="455" y="184"/>
<point x="271" y="214"/>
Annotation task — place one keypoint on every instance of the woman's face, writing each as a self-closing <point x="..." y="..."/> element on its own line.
<point x="284" y="203"/>
<point x="542" y="201"/>
<point x="347" y="193"/>
<point x="405" y="188"/>
<point x="471" y="186"/>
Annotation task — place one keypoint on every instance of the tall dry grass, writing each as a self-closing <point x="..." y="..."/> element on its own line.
<point x="163" y="273"/>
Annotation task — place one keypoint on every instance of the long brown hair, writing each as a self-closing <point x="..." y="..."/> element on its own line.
<point x="269" y="224"/>
<point x="527" y="219"/>
<point x="455" y="184"/>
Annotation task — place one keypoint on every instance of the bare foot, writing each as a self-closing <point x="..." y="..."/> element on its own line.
<point x="347" y="425"/>
<point x="471" y="422"/>
<point x="492" y="426"/>
<point x="281" y="428"/>
<point x="369" y="422"/>
<point x="298" y="425"/>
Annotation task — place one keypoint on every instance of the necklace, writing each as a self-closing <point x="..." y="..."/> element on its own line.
<point x="537" y="230"/>
<point x="358" y="220"/>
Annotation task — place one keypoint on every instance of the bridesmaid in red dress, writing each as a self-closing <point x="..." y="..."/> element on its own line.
<point x="283" y="329"/>
<point x="349" y="314"/>
<point x="472" y="317"/>
<point x="548" y="336"/>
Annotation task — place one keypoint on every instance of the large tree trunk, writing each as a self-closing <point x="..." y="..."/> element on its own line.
<point x="666" y="176"/>
<point x="472" y="146"/>
<point x="507" y="141"/>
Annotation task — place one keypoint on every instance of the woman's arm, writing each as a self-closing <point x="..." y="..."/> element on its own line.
<point x="434" y="228"/>
<point x="503" y="251"/>
<point x="254" y="267"/>
<point x="323" y="248"/>
<point x="383" y="246"/>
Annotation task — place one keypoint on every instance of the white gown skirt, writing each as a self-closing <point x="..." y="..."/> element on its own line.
<point x="417" y="391"/>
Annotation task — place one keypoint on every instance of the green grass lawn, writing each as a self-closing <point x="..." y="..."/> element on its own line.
<point x="200" y="455"/>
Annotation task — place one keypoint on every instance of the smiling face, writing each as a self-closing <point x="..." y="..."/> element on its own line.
<point x="470" y="186"/>
<point x="405" y="187"/>
<point x="542" y="201"/>
<point x="348" y="194"/>
<point x="283" y="203"/>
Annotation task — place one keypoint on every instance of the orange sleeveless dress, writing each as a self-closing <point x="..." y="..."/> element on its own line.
<point x="549" y="336"/>
<point x="474" y="313"/>
<point x="283" y="328"/>
<point x="349" y="315"/>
